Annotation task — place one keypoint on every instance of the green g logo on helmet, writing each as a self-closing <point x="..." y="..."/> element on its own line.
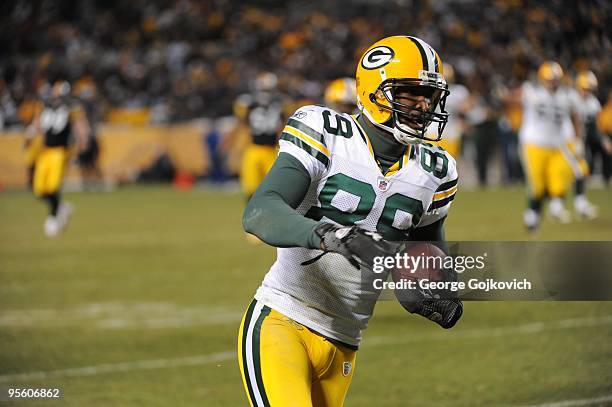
<point x="377" y="57"/>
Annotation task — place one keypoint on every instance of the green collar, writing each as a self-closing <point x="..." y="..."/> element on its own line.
<point x="387" y="151"/>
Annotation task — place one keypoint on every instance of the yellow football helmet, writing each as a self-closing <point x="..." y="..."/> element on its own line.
<point x="550" y="71"/>
<point x="587" y="81"/>
<point x="402" y="63"/>
<point x="341" y="92"/>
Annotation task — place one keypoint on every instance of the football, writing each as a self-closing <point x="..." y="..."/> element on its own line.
<point x="419" y="260"/>
<point x="420" y="275"/>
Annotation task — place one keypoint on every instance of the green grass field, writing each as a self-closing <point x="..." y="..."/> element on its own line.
<point x="138" y="304"/>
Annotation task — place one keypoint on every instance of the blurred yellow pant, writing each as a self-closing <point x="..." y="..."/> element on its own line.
<point x="547" y="170"/>
<point x="283" y="363"/>
<point x="49" y="170"/>
<point x="576" y="160"/>
<point x="256" y="162"/>
<point x="34" y="150"/>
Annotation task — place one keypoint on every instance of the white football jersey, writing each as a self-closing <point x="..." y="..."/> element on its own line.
<point x="587" y="108"/>
<point x="546" y="115"/>
<point x="347" y="188"/>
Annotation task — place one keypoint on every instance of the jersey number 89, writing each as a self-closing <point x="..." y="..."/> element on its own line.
<point x="367" y="196"/>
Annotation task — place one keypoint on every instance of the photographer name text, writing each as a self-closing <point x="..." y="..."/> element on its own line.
<point x="473" y="284"/>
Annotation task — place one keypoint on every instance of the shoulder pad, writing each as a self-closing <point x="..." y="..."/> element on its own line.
<point x="305" y="129"/>
<point x="321" y="119"/>
<point x="308" y="119"/>
<point x="322" y="123"/>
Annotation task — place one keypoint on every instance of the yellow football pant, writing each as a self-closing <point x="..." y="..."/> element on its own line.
<point x="577" y="162"/>
<point x="34" y="150"/>
<point x="453" y="147"/>
<point x="547" y="169"/>
<point x="49" y="170"/>
<point x="256" y="162"/>
<point x="284" y="364"/>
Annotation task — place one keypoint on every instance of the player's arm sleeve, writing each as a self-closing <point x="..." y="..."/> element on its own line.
<point x="527" y="94"/>
<point x="271" y="215"/>
<point x="442" y="198"/>
<point x="433" y="232"/>
<point x="575" y="118"/>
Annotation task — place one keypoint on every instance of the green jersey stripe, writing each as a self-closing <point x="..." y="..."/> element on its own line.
<point x="441" y="203"/>
<point x="265" y="311"/>
<point x="309" y="131"/>
<point x="306" y="147"/>
<point x="447" y="185"/>
<point x="245" y="329"/>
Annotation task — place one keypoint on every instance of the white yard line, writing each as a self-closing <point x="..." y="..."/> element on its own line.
<point x="530" y="328"/>
<point x="119" y="367"/>
<point x="197" y="360"/>
<point x="574" y="403"/>
<point x="122" y="315"/>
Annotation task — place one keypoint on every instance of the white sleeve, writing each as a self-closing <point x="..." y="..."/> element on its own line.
<point x="314" y="167"/>
<point x="443" y="196"/>
<point x="596" y="106"/>
<point x="304" y="139"/>
<point x="575" y="102"/>
<point x="528" y="94"/>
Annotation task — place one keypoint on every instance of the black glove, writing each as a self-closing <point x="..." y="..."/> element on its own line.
<point x="439" y="306"/>
<point x="359" y="246"/>
<point x="445" y="313"/>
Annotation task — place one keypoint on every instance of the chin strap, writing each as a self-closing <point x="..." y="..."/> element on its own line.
<point x="404" y="138"/>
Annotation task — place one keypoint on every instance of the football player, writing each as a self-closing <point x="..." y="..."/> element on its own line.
<point x="342" y="182"/>
<point x="341" y="96"/>
<point x="61" y="122"/>
<point x="262" y="112"/>
<point x="604" y="125"/>
<point x="457" y="105"/>
<point x="549" y="114"/>
<point x="88" y="159"/>
<point x="588" y="107"/>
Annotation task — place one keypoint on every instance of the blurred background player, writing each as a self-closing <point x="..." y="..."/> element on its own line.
<point x="341" y="95"/>
<point x="457" y="104"/>
<point x="604" y="125"/>
<point x="62" y="122"/>
<point x="509" y="126"/>
<point x="85" y="90"/>
<point x="32" y="147"/>
<point x="262" y="113"/>
<point x="548" y="115"/>
<point x="587" y="107"/>
<point x="34" y="142"/>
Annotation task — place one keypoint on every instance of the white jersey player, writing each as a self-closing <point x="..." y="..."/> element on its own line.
<point x="546" y="115"/>
<point x="548" y="120"/>
<point x="348" y="187"/>
<point x="587" y="108"/>
<point x="345" y="187"/>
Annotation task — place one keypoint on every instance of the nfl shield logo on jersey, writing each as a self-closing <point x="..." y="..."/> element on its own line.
<point x="383" y="184"/>
<point x="346" y="368"/>
<point x="299" y="114"/>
